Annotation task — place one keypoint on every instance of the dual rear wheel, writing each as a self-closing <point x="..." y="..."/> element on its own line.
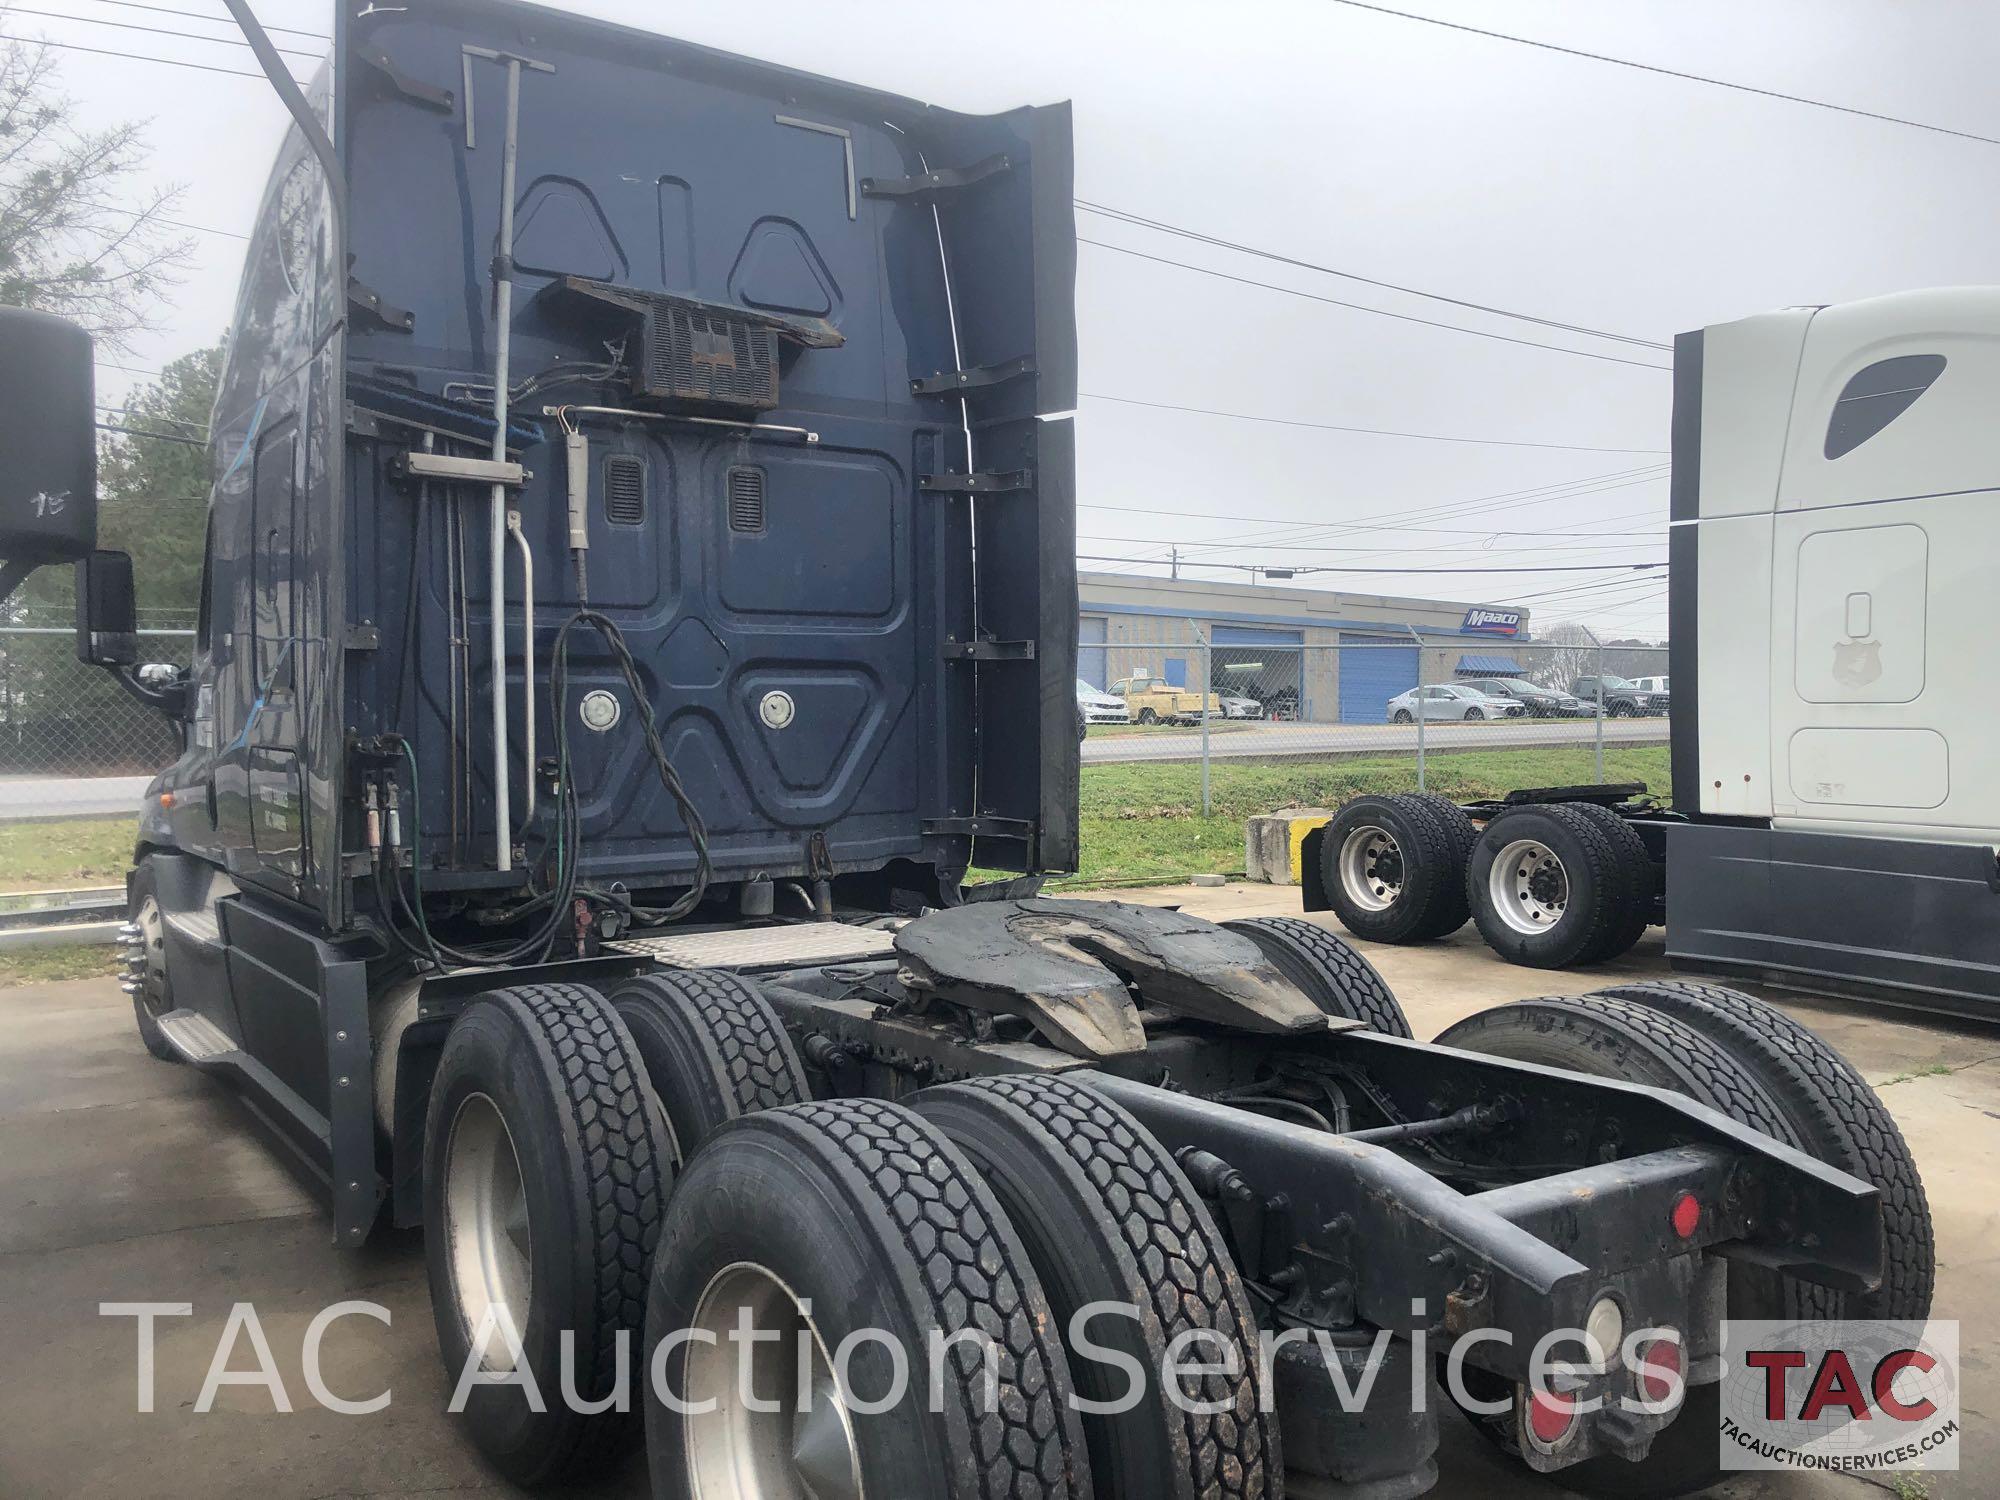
<point x="1753" y="1063"/>
<point x="1548" y="885"/>
<point x="647" y="1169"/>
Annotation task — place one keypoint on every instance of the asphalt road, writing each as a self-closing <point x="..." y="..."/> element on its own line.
<point x="70" y="796"/>
<point x="1285" y="739"/>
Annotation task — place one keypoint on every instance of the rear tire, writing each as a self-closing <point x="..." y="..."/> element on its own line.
<point x="1404" y="716"/>
<point x="1636" y="865"/>
<point x="1836" y="1116"/>
<point x="147" y="964"/>
<point x="545" y="1168"/>
<point x="1551" y="886"/>
<point x="836" y="1218"/>
<point x="1147" y="716"/>
<point x="713" y="1050"/>
<point x="1393" y="869"/>
<point x="1109" y="1218"/>
<point x="1612" y="1038"/>
<point x="1333" y="976"/>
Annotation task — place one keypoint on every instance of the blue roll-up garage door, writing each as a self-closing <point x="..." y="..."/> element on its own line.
<point x="1090" y="650"/>
<point x="1374" y="669"/>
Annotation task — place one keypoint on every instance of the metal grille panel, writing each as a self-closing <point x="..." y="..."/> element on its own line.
<point x="625" y="490"/>
<point x="746" y="500"/>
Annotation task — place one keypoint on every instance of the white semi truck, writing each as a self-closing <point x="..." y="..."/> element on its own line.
<point x="1836" y="772"/>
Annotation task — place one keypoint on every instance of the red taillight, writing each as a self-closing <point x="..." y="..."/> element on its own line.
<point x="1550" y="1417"/>
<point x="1686" y="1215"/>
<point x="1662" y="1365"/>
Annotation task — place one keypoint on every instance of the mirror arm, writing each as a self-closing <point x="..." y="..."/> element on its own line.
<point x="169" y="698"/>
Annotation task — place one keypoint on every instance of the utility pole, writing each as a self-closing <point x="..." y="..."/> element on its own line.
<point x="1176" y="564"/>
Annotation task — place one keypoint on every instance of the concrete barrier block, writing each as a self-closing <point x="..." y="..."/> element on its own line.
<point x="1271" y="841"/>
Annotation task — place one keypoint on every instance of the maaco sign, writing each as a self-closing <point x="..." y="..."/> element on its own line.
<point x="1491" y="622"/>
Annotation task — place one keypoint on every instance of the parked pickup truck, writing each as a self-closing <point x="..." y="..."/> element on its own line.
<point x="1153" y="700"/>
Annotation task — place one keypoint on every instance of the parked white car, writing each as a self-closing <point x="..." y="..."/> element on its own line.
<point x="1451" y="700"/>
<point x="1652" y="684"/>
<point x="1235" y="706"/>
<point x="1100" y="707"/>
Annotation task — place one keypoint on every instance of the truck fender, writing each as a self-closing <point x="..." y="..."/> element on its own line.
<point x="407" y="1049"/>
<point x="1311" y="887"/>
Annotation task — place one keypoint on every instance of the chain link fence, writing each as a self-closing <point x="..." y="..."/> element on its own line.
<point x="1196" y="700"/>
<point x="1211" y="702"/>
<point x="62" y="718"/>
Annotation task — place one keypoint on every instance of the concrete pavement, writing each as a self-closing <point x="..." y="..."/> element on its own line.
<point x="124" y="1179"/>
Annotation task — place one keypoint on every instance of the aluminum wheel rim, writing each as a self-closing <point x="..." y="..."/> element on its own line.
<point x="1371" y="868"/>
<point x="487" y="1230"/>
<point x="153" y="955"/>
<point x="1528" y="887"/>
<point x="737" y="1451"/>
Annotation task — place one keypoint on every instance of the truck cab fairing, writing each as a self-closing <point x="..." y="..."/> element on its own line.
<point x="831" y="661"/>
<point x="1835" y="509"/>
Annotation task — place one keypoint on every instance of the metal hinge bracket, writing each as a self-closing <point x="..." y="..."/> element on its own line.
<point x="1005" y="482"/>
<point x="930" y="184"/>
<point x="944" y="382"/>
<point x="429" y="95"/>
<point x="989" y="650"/>
<point x="366" y="301"/>
<point x="1008" y="828"/>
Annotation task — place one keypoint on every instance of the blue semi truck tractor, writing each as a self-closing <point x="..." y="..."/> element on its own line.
<point x="639" y="587"/>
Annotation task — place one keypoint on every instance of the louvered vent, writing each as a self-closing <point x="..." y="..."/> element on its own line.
<point x="625" y="490"/>
<point x="746" y="499"/>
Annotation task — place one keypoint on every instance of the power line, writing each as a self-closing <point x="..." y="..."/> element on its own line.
<point x="105" y="364"/>
<point x="1720" y="83"/>
<point x="1341" y="549"/>
<point x="1428" y="437"/>
<point x="1125" y="216"/>
<point x="1399" y="520"/>
<point x="1520" y="499"/>
<point x="172" y="62"/>
<point x="165" y="437"/>
<point x="1316" y="568"/>
<point x="164" y="10"/>
<point x="192" y="426"/>
<point x="1600" y="586"/>
<point x="186" y="36"/>
<point x="1272" y="286"/>
<point x="1211" y="515"/>
<point x="176" y="223"/>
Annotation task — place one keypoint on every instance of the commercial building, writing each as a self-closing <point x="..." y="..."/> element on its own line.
<point x="1329" y="657"/>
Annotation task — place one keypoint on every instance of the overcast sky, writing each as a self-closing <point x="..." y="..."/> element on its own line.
<point x="1447" y="162"/>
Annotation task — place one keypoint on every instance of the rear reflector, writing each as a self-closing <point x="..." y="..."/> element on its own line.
<point x="1550" y="1417"/>
<point x="1661" y="1364"/>
<point x="1687" y="1215"/>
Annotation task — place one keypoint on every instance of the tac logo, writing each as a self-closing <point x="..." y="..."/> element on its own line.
<point x="1492" y="622"/>
<point x="1841" y="1396"/>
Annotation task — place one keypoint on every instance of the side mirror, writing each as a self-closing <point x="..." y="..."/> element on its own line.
<point x="107" y="616"/>
<point x="48" y="441"/>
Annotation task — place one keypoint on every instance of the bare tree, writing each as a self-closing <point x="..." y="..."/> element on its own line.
<point x="1567" y="651"/>
<point x="77" y="235"/>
